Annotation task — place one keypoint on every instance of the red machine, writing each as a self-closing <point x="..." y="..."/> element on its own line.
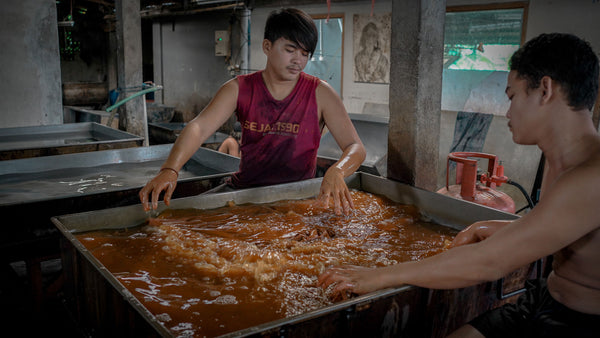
<point x="467" y="187"/>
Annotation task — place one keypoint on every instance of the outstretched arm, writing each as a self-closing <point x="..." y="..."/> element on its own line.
<point x="335" y="117"/>
<point x="191" y="138"/>
<point x="477" y="232"/>
<point x="548" y="228"/>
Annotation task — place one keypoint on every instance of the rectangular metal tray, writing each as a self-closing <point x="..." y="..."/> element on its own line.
<point x="406" y="310"/>
<point x="25" y="142"/>
<point x="167" y="132"/>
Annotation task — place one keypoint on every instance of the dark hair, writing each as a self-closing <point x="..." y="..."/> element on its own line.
<point x="565" y="58"/>
<point x="294" y="25"/>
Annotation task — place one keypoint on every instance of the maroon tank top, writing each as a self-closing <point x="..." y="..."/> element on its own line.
<point x="280" y="139"/>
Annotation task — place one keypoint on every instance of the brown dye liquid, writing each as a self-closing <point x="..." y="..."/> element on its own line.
<point x="211" y="272"/>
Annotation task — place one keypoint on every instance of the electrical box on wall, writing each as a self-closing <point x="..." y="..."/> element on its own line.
<point x="221" y="43"/>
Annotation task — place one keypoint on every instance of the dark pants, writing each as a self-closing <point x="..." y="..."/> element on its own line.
<point x="537" y="314"/>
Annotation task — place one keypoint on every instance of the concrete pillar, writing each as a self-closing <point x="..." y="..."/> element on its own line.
<point x="129" y="65"/>
<point x="30" y="78"/>
<point x="417" y="47"/>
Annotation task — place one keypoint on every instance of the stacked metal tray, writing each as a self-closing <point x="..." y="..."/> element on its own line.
<point x="32" y="190"/>
<point x="68" y="138"/>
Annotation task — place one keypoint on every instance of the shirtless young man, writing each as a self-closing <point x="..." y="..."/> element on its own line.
<point x="282" y="111"/>
<point x="552" y="86"/>
<point x="231" y="145"/>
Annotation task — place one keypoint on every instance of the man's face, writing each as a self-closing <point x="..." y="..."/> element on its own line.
<point x="285" y="57"/>
<point x="524" y="113"/>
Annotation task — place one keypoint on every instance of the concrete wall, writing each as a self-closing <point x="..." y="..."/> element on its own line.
<point x="30" y="76"/>
<point x="185" y="63"/>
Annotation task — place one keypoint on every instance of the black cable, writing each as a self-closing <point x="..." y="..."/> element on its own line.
<point x="529" y="201"/>
<point x="535" y="196"/>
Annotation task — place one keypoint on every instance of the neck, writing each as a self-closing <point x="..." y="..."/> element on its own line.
<point x="278" y="86"/>
<point x="570" y="139"/>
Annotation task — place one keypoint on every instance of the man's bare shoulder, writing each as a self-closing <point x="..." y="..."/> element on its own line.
<point x="590" y="166"/>
<point x="329" y="103"/>
<point x="325" y="90"/>
<point x="232" y="84"/>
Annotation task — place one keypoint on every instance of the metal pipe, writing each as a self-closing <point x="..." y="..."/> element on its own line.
<point x="245" y="47"/>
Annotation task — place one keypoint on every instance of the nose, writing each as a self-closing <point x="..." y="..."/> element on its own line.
<point x="297" y="57"/>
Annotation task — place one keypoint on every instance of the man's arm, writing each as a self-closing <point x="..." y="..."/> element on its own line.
<point x="336" y="119"/>
<point x="191" y="138"/>
<point x="565" y="214"/>
<point x="477" y="232"/>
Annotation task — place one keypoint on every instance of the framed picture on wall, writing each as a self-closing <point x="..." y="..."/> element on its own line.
<point x="371" y="39"/>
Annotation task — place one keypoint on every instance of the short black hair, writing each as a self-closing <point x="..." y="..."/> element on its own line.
<point x="294" y="25"/>
<point x="566" y="59"/>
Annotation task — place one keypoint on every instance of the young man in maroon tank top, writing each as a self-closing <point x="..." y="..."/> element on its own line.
<point x="552" y="86"/>
<point x="282" y="111"/>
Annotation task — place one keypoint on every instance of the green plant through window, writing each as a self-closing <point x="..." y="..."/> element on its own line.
<point x="482" y="40"/>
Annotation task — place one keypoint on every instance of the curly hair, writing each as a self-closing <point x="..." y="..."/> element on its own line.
<point x="566" y="59"/>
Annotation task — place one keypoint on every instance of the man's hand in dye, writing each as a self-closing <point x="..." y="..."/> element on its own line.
<point x="334" y="187"/>
<point x="477" y="232"/>
<point x="166" y="180"/>
<point x="349" y="279"/>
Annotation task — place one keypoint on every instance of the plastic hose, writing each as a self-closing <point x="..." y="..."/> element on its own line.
<point x="529" y="201"/>
<point x="117" y="104"/>
<point x="141" y="92"/>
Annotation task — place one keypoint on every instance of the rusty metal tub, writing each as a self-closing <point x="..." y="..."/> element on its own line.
<point x="104" y="306"/>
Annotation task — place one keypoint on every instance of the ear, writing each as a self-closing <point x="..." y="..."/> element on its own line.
<point x="548" y="88"/>
<point x="266" y="46"/>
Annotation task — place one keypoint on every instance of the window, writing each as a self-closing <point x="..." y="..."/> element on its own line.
<point x="326" y="62"/>
<point x="482" y="40"/>
<point x="478" y="43"/>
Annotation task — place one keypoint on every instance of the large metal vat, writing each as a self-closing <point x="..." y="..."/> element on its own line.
<point x="68" y="138"/>
<point x="373" y="132"/>
<point x="32" y="190"/>
<point x="105" y="307"/>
